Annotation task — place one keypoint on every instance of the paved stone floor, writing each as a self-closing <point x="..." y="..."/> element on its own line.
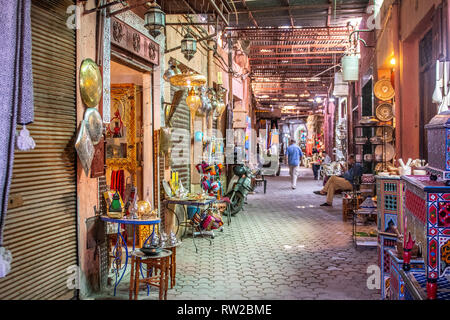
<point x="283" y="246"/>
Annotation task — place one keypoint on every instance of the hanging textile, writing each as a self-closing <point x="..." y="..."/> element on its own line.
<point x="16" y="92"/>
<point x="118" y="182"/>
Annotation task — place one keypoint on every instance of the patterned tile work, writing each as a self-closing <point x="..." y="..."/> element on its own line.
<point x="283" y="246"/>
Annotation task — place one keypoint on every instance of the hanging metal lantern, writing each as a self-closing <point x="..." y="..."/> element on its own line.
<point x="173" y="70"/>
<point x="212" y="98"/>
<point x="188" y="45"/>
<point x="155" y="19"/>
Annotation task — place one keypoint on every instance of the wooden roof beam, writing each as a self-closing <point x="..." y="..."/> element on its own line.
<point x="250" y="15"/>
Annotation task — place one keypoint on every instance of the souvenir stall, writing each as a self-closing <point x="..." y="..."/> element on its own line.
<point x="200" y="212"/>
<point x="421" y="263"/>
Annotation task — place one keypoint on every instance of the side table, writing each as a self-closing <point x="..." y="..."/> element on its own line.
<point x="161" y="262"/>
<point x="173" y="263"/>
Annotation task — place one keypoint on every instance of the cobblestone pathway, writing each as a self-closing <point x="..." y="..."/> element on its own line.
<point x="283" y="246"/>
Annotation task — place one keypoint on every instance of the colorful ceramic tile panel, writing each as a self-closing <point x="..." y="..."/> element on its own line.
<point x="443" y="283"/>
<point x="416" y="205"/>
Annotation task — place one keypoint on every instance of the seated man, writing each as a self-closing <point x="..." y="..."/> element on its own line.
<point x="344" y="183"/>
<point x="316" y="163"/>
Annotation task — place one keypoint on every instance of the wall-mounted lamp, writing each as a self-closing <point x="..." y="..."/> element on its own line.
<point x="393" y="61"/>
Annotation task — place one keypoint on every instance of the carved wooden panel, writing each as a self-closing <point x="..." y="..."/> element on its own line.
<point x="133" y="41"/>
<point x="98" y="163"/>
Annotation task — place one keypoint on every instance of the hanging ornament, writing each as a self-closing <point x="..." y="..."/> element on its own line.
<point x="84" y="147"/>
<point x="5" y="261"/>
<point x="24" y="141"/>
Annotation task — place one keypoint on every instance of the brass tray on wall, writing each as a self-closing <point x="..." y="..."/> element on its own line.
<point x="91" y="84"/>
<point x="383" y="90"/>
<point x="384" y="112"/>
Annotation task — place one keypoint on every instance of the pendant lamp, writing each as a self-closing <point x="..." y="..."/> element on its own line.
<point x="194" y="102"/>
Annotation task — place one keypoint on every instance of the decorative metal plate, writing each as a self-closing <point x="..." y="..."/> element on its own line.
<point x="91" y="85"/>
<point x="94" y="124"/>
<point x="390" y="151"/>
<point x="385" y="112"/>
<point x="383" y="90"/>
<point x="388" y="132"/>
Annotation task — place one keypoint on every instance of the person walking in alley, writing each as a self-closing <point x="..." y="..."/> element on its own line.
<point x="294" y="154"/>
<point x="344" y="183"/>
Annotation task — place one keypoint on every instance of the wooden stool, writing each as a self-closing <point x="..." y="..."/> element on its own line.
<point x="159" y="262"/>
<point x="347" y="207"/>
<point x="173" y="263"/>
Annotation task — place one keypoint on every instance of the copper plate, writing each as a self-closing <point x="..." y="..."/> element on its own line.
<point x="383" y="90"/>
<point x="91" y="86"/>
<point x="384" y="112"/>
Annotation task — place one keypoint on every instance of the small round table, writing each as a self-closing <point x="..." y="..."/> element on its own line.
<point x="160" y="261"/>
<point x="117" y="252"/>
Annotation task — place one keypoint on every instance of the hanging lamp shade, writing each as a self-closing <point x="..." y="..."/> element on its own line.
<point x="189" y="46"/>
<point x="188" y="80"/>
<point x="350" y="68"/>
<point x="155" y="19"/>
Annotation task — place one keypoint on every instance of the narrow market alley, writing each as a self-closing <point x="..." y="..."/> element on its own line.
<point x="282" y="246"/>
<point x="150" y="150"/>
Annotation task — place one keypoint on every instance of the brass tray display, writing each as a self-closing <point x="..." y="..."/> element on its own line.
<point x="383" y="90"/>
<point x="91" y="84"/>
<point x="384" y="112"/>
<point x="388" y="133"/>
<point x="188" y="80"/>
<point x="389" y="149"/>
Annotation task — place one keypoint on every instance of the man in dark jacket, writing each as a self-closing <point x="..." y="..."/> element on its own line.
<point x="344" y="183"/>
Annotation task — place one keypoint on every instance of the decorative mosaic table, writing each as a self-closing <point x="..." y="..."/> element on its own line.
<point x="395" y="283"/>
<point x="427" y="219"/>
<point x="390" y="216"/>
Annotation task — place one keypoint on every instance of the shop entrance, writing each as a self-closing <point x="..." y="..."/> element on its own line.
<point x="124" y="136"/>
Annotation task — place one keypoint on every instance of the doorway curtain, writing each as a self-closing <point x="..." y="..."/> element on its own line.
<point x="16" y="92"/>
